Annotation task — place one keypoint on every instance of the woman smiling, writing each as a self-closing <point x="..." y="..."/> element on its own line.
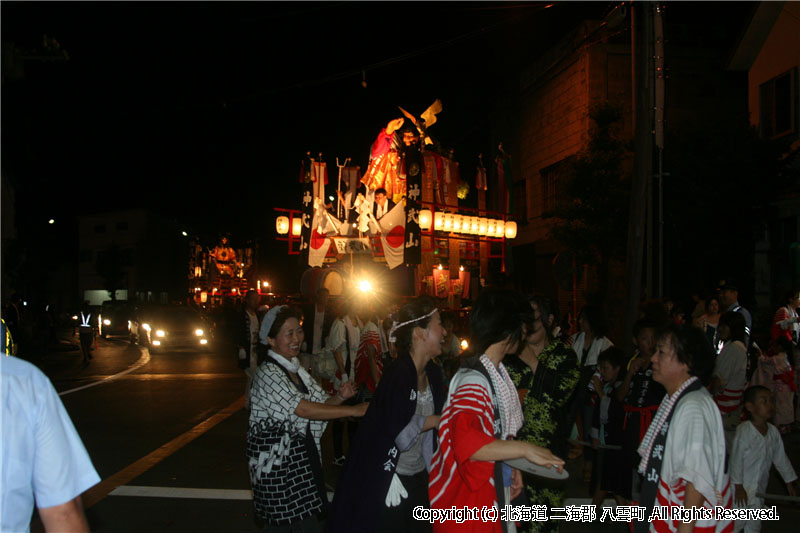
<point x="288" y="414"/>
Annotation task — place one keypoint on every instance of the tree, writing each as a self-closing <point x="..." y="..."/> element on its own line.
<point x="591" y="215"/>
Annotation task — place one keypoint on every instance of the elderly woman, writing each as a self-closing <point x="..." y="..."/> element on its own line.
<point x="288" y="414"/>
<point x="480" y="419"/>
<point x="386" y="474"/>
<point x="683" y="451"/>
<point x="545" y="374"/>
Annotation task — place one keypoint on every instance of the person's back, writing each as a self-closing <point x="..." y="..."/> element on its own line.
<point x="44" y="460"/>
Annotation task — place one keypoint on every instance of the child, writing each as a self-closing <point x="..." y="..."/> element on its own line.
<point x="756" y="447"/>
<point x="607" y="427"/>
<point x="776" y="372"/>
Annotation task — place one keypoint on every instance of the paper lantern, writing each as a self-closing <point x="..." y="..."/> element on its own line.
<point x="474" y="225"/>
<point x="491" y="227"/>
<point x="458" y="221"/>
<point x="425" y="219"/>
<point x="511" y="230"/>
<point x="483" y="226"/>
<point x="282" y="225"/>
<point x="438" y="221"/>
<point x="448" y="222"/>
<point x="499" y="229"/>
<point x="297" y="226"/>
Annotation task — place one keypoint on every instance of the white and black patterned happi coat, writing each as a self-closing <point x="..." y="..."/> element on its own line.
<point x="284" y="488"/>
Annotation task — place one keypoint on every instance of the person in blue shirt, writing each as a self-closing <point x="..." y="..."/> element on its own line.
<point x="44" y="460"/>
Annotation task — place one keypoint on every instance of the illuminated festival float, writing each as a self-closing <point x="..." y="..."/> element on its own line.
<point x="402" y="212"/>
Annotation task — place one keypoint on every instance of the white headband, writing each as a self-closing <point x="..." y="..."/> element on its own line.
<point x="396" y="326"/>
<point x="266" y="324"/>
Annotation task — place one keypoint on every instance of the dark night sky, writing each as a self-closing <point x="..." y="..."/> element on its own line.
<point x="205" y="110"/>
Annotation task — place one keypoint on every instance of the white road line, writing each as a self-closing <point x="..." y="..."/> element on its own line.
<point x="179" y="492"/>
<point x="143" y="360"/>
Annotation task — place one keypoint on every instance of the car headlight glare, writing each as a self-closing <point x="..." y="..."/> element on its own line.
<point x="203" y="341"/>
<point x="160" y="333"/>
<point x="146" y="327"/>
<point x="198" y="332"/>
<point x="106" y="322"/>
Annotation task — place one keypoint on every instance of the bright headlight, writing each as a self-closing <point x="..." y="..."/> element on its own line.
<point x="464" y="344"/>
<point x="146" y="327"/>
<point x="203" y="341"/>
<point x="106" y="322"/>
<point x="198" y="332"/>
<point x="160" y="333"/>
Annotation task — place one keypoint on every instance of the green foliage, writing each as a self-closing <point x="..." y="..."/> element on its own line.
<point x="591" y="213"/>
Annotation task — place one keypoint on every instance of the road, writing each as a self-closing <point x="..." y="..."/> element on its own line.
<point x="166" y="432"/>
<point x="161" y="426"/>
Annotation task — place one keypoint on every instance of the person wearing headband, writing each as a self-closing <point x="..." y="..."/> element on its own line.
<point x="482" y="416"/>
<point x="386" y="474"/>
<point x="288" y="414"/>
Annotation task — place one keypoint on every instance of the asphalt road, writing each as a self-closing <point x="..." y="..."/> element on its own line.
<point x="166" y="432"/>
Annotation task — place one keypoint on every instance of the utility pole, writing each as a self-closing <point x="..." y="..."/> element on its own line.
<point x="643" y="103"/>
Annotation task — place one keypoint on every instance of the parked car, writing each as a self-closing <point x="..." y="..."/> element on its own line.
<point x="115" y="319"/>
<point x="171" y="327"/>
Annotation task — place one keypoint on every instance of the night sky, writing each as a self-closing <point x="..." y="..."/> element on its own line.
<point x="203" y="111"/>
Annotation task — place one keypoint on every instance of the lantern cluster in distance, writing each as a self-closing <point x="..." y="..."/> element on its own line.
<point x="467" y="225"/>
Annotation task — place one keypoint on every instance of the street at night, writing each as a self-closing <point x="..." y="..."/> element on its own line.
<point x="400" y="266"/>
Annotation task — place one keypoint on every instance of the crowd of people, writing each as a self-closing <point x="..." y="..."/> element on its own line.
<point x="693" y="418"/>
<point x="671" y="425"/>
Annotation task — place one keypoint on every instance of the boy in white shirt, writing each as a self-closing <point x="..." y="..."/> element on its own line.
<point x="756" y="447"/>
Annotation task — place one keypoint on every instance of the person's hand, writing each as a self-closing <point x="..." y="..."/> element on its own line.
<point x="595" y="443"/>
<point x="543" y="457"/>
<point x="360" y="409"/>
<point x="394" y="125"/>
<point x="347" y="390"/>
<point x="638" y="364"/>
<point x="516" y="483"/>
<point x="740" y="496"/>
<point x="598" y="385"/>
<point x="790" y="489"/>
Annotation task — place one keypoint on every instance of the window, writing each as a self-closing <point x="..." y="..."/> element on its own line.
<point x="520" y="202"/>
<point x="100" y="228"/>
<point x="778" y="105"/>
<point x="122" y="226"/>
<point x="553" y="179"/>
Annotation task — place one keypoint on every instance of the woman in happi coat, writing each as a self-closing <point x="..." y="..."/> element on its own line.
<point x="481" y="417"/>
<point x="386" y="472"/>
<point x="683" y="451"/>
<point x="288" y="414"/>
<point x="545" y="374"/>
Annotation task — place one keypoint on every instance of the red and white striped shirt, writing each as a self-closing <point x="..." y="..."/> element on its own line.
<point x="363" y="374"/>
<point x="467" y="424"/>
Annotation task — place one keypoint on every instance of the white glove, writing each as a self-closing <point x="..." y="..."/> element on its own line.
<point x="397" y="492"/>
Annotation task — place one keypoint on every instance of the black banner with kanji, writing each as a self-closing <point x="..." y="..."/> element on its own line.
<point x="413" y="163"/>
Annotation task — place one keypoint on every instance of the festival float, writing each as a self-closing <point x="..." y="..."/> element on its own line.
<point x="356" y="236"/>
<point x="220" y="272"/>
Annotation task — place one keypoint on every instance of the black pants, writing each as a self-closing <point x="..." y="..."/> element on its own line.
<point x="338" y="430"/>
